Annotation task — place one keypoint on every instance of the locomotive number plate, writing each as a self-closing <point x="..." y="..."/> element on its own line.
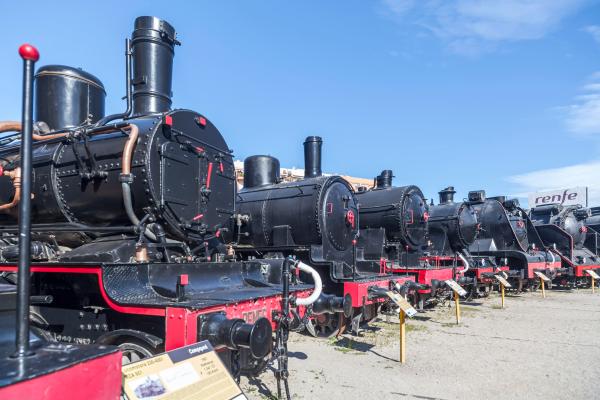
<point x="402" y="303"/>
<point x="502" y="280"/>
<point x="592" y="273"/>
<point x="456" y="287"/>
<point x="542" y="276"/>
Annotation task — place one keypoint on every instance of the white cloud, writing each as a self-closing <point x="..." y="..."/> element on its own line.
<point x="593" y="30"/>
<point x="583" y="117"/>
<point x="586" y="174"/>
<point x="476" y="24"/>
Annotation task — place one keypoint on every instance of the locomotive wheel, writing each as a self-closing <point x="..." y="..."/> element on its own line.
<point x="255" y="367"/>
<point x="39" y="325"/>
<point x="133" y="351"/>
<point x="328" y="325"/>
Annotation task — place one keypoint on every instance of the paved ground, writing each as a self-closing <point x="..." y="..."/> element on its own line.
<point x="534" y="348"/>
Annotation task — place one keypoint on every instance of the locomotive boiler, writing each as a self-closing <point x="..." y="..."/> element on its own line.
<point x="316" y="220"/>
<point x="128" y="215"/>
<point x="563" y="229"/>
<point x="399" y="215"/>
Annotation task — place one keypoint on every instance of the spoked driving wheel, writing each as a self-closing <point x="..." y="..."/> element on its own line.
<point x="132" y="352"/>
<point x="328" y="325"/>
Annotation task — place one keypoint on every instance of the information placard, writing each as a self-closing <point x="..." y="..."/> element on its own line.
<point x="542" y="276"/>
<point x="190" y="372"/>
<point x="592" y="273"/>
<point x="503" y="281"/>
<point x="456" y="287"/>
<point x="402" y="303"/>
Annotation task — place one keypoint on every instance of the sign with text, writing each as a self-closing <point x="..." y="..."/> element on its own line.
<point x="503" y="280"/>
<point x="542" y="276"/>
<point x="592" y="273"/>
<point x="566" y="197"/>
<point x="402" y="303"/>
<point x="190" y="372"/>
<point x="456" y="287"/>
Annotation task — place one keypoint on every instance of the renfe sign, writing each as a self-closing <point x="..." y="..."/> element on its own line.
<point x="567" y="197"/>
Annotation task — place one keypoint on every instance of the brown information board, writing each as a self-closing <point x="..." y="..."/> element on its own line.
<point x="190" y="372"/>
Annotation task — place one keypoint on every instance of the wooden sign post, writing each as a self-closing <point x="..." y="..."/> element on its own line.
<point x="405" y="309"/>
<point x="543" y="280"/>
<point x="503" y="283"/>
<point x="594" y="276"/>
<point x="458" y="291"/>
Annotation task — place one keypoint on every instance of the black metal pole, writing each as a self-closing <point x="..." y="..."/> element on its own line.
<point x="30" y="55"/>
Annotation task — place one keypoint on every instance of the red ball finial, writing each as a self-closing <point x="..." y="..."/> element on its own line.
<point x="28" y="52"/>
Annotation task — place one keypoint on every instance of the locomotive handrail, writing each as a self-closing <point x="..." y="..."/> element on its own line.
<point x="180" y="133"/>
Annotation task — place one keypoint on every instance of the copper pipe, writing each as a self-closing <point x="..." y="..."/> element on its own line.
<point x="15" y="126"/>
<point x="10" y="126"/>
<point x="15" y="176"/>
<point x="128" y="149"/>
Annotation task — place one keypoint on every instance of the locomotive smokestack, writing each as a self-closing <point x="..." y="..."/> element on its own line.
<point x="384" y="179"/>
<point x="312" y="156"/>
<point x="152" y="43"/>
<point x="260" y="171"/>
<point x="447" y="195"/>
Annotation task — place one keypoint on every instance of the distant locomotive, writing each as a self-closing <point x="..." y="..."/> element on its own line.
<point x="401" y="216"/>
<point x="508" y="235"/>
<point x="128" y="219"/>
<point x="563" y="229"/>
<point x="453" y="228"/>
<point x="316" y="220"/>
<point x="592" y="239"/>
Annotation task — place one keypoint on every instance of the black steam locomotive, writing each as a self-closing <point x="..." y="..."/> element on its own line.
<point x="454" y="227"/>
<point x="316" y="220"/>
<point x="129" y="212"/>
<point x="563" y="229"/>
<point x="508" y="235"/>
<point x="421" y="241"/>
<point x="592" y="237"/>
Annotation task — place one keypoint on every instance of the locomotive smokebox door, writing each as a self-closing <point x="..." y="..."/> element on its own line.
<point x="179" y="175"/>
<point x="196" y="174"/>
<point x="339" y="212"/>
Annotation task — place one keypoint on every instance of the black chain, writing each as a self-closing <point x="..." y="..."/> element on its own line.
<point x="280" y="352"/>
<point x="236" y="370"/>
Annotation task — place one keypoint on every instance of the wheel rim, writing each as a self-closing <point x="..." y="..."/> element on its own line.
<point x="132" y="352"/>
<point x="328" y="325"/>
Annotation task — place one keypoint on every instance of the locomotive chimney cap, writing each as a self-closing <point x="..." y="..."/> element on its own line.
<point x="310" y="139"/>
<point x="447" y="195"/>
<point x="155" y="23"/>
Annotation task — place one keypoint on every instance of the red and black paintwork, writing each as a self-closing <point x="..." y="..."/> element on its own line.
<point x="91" y="372"/>
<point x="34" y="368"/>
<point x="316" y="221"/>
<point x="563" y="229"/>
<point x="511" y="238"/>
<point x="159" y="307"/>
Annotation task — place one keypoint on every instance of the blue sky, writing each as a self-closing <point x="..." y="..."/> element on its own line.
<point x="500" y="95"/>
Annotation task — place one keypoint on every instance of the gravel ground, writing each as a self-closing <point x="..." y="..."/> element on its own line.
<point x="535" y="348"/>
